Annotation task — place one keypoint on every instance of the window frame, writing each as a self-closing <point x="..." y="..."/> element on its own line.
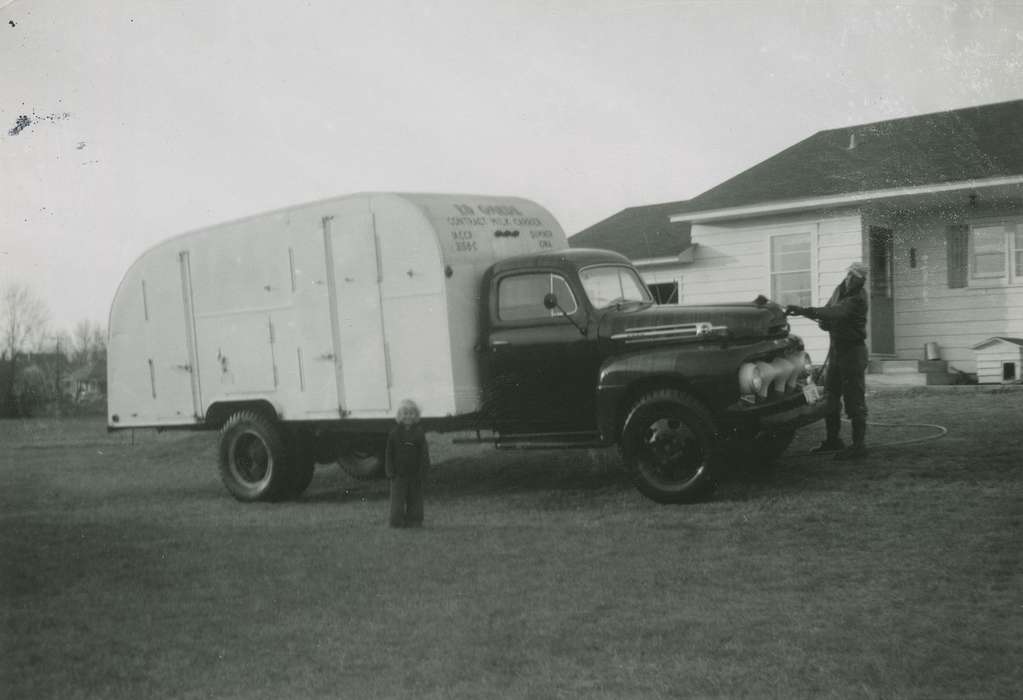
<point x="639" y="277"/>
<point x="1011" y="250"/>
<point x="675" y="292"/>
<point x="809" y="271"/>
<point x="554" y="315"/>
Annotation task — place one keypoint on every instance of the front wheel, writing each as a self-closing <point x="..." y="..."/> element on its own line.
<point x="669" y="446"/>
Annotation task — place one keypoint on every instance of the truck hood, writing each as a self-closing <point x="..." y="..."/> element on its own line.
<point x="657" y="324"/>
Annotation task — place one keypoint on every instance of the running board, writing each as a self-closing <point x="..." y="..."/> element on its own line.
<point x="537" y="441"/>
<point x="550" y="445"/>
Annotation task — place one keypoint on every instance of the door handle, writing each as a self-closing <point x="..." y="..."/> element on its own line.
<point x="498" y="343"/>
<point x="326" y="356"/>
<point x="184" y="368"/>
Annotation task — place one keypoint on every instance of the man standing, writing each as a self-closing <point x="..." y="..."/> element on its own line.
<point x="844" y="317"/>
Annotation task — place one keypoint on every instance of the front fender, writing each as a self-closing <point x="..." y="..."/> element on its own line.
<point x="708" y="370"/>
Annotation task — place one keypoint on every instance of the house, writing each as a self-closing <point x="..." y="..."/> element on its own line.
<point x="85" y="383"/>
<point x="933" y="204"/>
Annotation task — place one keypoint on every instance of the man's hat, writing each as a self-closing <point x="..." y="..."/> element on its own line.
<point x="858" y="269"/>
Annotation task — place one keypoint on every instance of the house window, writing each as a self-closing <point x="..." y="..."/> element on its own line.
<point x="521" y="297"/>
<point x="988" y="252"/>
<point x="664" y="293"/>
<point x="996" y="252"/>
<point x="790" y="269"/>
<point x="1017" y="255"/>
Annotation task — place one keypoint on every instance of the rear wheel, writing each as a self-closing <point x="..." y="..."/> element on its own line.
<point x="254" y="458"/>
<point x="363" y="460"/>
<point x="669" y="446"/>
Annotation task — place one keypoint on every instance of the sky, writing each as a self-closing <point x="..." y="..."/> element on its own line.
<point x="124" y="122"/>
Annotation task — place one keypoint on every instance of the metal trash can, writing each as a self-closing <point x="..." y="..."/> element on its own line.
<point x="932" y="351"/>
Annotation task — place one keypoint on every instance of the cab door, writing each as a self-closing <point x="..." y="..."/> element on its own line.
<point x="542" y="364"/>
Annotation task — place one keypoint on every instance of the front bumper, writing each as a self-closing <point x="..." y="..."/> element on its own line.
<point x="788" y="414"/>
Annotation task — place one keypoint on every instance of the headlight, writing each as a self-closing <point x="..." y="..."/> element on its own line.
<point x="767" y="372"/>
<point x="750" y="379"/>
<point x="784" y="371"/>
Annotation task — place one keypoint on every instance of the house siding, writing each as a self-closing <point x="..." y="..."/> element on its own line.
<point x="927" y="310"/>
<point x="733" y="263"/>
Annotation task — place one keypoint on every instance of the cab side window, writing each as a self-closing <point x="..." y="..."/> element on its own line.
<point x="520" y="297"/>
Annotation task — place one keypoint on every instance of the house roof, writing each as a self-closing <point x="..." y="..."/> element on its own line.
<point x="975" y="143"/>
<point x="638" y="233"/>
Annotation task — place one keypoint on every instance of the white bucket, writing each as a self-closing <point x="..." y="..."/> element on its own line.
<point x="932" y="351"/>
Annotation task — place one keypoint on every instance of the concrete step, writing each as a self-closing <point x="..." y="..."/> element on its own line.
<point x="899" y="379"/>
<point x="882" y="373"/>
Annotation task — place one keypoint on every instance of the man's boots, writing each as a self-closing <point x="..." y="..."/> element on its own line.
<point x="858" y="450"/>
<point x="832" y="443"/>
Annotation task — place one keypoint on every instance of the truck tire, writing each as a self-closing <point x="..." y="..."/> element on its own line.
<point x="254" y="458"/>
<point x="669" y="446"/>
<point x="363" y="462"/>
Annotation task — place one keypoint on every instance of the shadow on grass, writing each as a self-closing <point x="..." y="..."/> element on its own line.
<point x="495" y="475"/>
<point x="565" y="476"/>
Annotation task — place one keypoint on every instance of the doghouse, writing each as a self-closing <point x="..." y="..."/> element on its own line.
<point x="999" y="360"/>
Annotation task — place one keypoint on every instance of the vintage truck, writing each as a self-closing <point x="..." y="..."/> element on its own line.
<point x="296" y="333"/>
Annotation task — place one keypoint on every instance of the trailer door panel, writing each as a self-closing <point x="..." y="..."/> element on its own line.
<point x="170" y="339"/>
<point x="355" y="276"/>
<point x="238" y="353"/>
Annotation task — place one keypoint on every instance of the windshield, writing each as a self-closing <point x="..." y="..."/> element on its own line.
<point x="609" y="285"/>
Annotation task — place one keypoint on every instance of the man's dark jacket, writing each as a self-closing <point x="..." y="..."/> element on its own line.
<point x="844" y="317"/>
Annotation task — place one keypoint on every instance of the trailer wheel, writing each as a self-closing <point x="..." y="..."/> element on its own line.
<point x="254" y="458"/>
<point x="363" y="461"/>
<point x="669" y="446"/>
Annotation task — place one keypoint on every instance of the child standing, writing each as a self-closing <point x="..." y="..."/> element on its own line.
<point x="407" y="460"/>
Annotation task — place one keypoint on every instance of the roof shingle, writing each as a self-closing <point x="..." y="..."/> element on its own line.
<point x="943" y="147"/>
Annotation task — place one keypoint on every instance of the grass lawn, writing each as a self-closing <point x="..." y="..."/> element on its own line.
<point x="126" y="571"/>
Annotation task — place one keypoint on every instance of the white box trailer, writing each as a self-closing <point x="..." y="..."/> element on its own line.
<point x="332" y="310"/>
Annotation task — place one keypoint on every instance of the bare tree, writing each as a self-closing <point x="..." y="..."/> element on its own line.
<point x="82" y="350"/>
<point x="88" y="343"/>
<point x="63" y="343"/>
<point x="23" y="319"/>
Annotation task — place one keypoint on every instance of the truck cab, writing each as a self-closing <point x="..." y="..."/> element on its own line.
<point x="573" y="348"/>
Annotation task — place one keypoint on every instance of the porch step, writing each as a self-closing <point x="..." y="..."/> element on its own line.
<point x="908" y="373"/>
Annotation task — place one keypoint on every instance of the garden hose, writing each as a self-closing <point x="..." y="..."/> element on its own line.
<point x="940" y="432"/>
